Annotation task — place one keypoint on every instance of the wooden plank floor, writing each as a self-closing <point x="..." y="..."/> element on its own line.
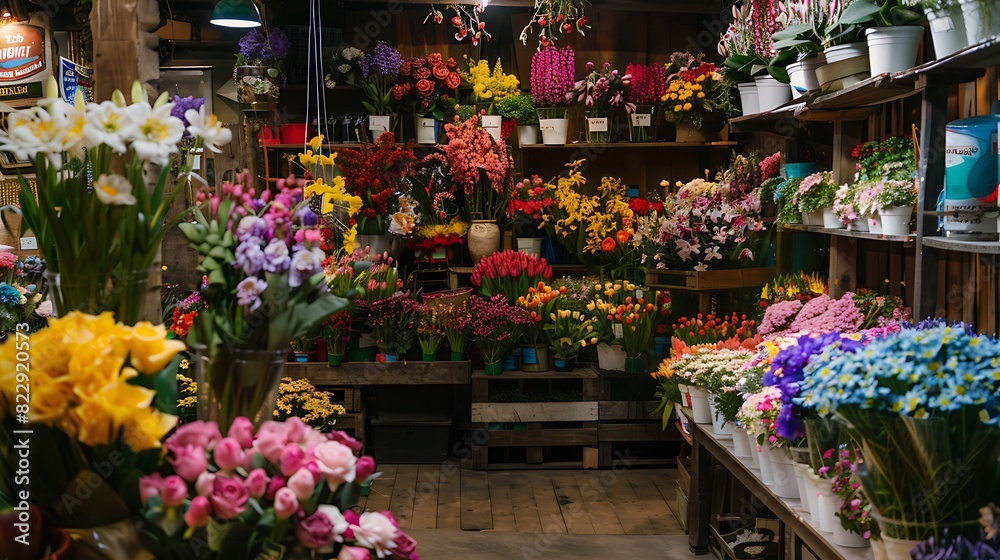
<point x="630" y="502"/>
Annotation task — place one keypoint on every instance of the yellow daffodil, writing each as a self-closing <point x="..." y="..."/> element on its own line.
<point x="308" y="159"/>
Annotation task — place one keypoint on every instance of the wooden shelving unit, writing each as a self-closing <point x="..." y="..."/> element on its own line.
<point x="630" y="145"/>
<point x="907" y="240"/>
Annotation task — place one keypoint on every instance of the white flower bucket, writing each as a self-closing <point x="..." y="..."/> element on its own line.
<point x="772" y="93"/>
<point x="814" y="219"/>
<point x="764" y="461"/>
<point x="947" y="30"/>
<point x="827" y="503"/>
<point x="721" y="428"/>
<point x="860" y="224"/>
<point x="980" y="24"/>
<point x="896" y="221"/>
<point x="875" y="223"/>
<point x="492" y="124"/>
<point x="807" y="491"/>
<point x="530" y="245"/>
<point x="782" y="473"/>
<point x="611" y="357"/>
<point x="685" y="397"/>
<point x="527" y="134"/>
<point x="554" y="131"/>
<point x="754" y="459"/>
<point x="427" y="130"/>
<point x="831" y="220"/>
<point x="378" y="125"/>
<point x="803" y="74"/>
<point x="893" y="49"/>
<point x="845" y="52"/>
<point x="699" y="404"/>
<point x="898" y="549"/>
<point x="749" y="98"/>
<point x="847" y="539"/>
<point x="878" y="550"/>
<point x="740" y="446"/>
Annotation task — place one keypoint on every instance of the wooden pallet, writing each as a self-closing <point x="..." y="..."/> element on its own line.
<point x="693" y="280"/>
<point x="348" y="397"/>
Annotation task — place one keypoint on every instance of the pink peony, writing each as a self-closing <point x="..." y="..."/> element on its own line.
<point x="150" y="486"/>
<point x="198" y="434"/>
<point x="302" y="483"/>
<point x="256" y="482"/>
<point x="292" y="458"/>
<point x="377" y="531"/>
<point x="229" y="497"/>
<point x="315" y="531"/>
<point x="336" y="463"/>
<point x="203" y="486"/>
<point x="198" y="512"/>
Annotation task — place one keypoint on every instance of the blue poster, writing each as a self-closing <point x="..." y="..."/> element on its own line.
<point x="73" y="77"/>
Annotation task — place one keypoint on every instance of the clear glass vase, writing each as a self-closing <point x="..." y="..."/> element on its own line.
<point x="124" y="293"/>
<point x="236" y="382"/>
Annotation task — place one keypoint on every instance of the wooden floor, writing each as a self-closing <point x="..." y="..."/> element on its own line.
<point x="630" y="502"/>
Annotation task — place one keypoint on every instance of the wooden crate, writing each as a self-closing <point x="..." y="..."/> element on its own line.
<point x="693" y="280"/>
<point x="348" y="397"/>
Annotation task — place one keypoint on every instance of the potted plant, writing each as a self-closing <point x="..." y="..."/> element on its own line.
<point x="495" y="327"/>
<point x="394" y="322"/>
<point x="539" y="303"/>
<point x="520" y="109"/>
<point x="346" y="68"/>
<point x="815" y="194"/>
<point x="509" y="274"/>
<point x="489" y="88"/>
<point x="893" y="30"/>
<point x="299" y="398"/>
<point x="379" y="281"/>
<point x="456" y="327"/>
<point x="427" y="86"/>
<point x="638" y="318"/>
<point x="257" y="73"/>
<point x="697" y="98"/>
<point x="766" y="18"/>
<point x="552" y="82"/>
<point x="802" y="40"/>
<point x="570" y="330"/>
<point x="896" y="203"/>
<point x="981" y="22"/>
<point x="736" y="45"/>
<point x="526" y="208"/>
<point x="374" y="172"/>
<point x="440" y="224"/>
<point x="479" y="166"/>
<point x="602" y="92"/>
<point x="649" y="83"/>
<point x="302" y="347"/>
<point x="947" y="25"/>
<point x="845" y="206"/>
<point x="380" y="70"/>
<point x="337" y="332"/>
<point x="892" y="160"/>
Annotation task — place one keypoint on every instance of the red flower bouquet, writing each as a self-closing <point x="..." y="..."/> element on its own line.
<point x="374" y="173"/>
<point x="441" y="223"/>
<point x="427" y="85"/>
<point x="528" y="203"/>
<point x="510" y="274"/>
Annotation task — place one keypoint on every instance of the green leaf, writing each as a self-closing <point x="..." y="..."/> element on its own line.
<point x="779" y="73"/>
<point x="369" y="107"/>
<point x="791" y="32"/>
<point x="193" y="232"/>
<point x="860" y="11"/>
<point x="902" y="15"/>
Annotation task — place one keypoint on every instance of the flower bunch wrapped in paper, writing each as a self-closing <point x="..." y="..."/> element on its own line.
<point x="100" y="392"/>
<point x="922" y="404"/>
<point x="439" y="215"/>
<point x="284" y="486"/>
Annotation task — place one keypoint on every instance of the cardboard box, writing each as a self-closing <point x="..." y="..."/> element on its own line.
<point x="175" y="30"/>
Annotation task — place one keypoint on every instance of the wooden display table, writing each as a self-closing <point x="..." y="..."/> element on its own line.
<point x="373" y="373"/>
<point x="798" y="534"/>
<point x="706" y="283"/>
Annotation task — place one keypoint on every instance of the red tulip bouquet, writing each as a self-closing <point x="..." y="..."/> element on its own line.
<point x="510" y="274"/>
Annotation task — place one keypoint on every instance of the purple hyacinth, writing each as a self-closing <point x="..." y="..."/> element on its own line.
<point x="251" y="226"/>
<point x="277" y="256"/>
<point x="307" y="217"/>
<point x="182" y="104"/>
<point x="266" y="50"/>
<point x="248" y="292"/>
<point x="383" y="61"/>
<point x="305" y="264"/>
<point x="250" y="257"/>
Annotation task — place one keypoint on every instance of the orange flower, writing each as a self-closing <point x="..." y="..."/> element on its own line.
<point x="608" y="244"/>
<point x="622" y="236"/>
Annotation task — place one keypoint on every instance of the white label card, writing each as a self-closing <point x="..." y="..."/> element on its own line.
<point x="599" y="124"/>
<point x="642" y="119"/>
<point x="941" y="25"/>
<point x="378" y="123"/>
<point x="619" y="330"/>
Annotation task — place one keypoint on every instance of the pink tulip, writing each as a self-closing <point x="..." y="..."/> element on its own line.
<point x="242" y="431"/>
<point x="198" y="512"/>
<point x="256" y="482"/>
<point x="285" y="503"/>
<point x="175" y="491"/>
<point x="228" y="454"/>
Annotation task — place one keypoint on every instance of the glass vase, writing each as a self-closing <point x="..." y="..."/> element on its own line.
<point x="642" y="123"/>
<point x="124" y="293"/>
<point x="236" y="382"/>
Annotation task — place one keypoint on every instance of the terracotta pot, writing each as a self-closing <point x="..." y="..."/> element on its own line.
<point x="484" y="239"/>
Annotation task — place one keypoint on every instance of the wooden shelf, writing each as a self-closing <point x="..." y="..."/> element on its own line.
<point x="578" y="373"/>
<point x="962" y="246"/>
<point x="630" y="145"/>
<point x="373" y="373"/>
<point x="905" y="239"/>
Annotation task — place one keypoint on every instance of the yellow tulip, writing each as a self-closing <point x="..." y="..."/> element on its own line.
<point x="50" y="399"/>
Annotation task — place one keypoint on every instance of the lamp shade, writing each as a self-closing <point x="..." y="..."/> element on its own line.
<point x="235" y="13"/>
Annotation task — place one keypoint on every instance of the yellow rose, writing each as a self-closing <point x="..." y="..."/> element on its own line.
<point x="91" y="368"/>
<point x="92" y="424"/>
<point x="144" y="429"/>
<point x="687" y="106"/>
<point x="50" y="398"/>
<point x="151" y="351"/>
<point x="678" y="108"/>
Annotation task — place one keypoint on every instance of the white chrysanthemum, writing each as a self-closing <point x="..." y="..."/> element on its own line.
<point x="208" y="128"/>
<point x="156" y="132"/>
<point x="114" y="190"/>
<point x="109" y="124"/>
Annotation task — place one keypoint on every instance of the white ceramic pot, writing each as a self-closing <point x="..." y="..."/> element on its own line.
<point x="378" y="125"/>
<point x="484" y="239"/>
<point x="831" y="220"/>
<point x="814" y="219"/>
<point x="878" y="550"/>
<point x="754" y="459"/>
<point x="982" y="19"/>
<point x="530" y="245"/>
<point x="896" y="221"/>
<point x="554" y="125"/>
<point x="699" y="404"/>
<point x="492" y="124"/>
<point x="764" y="462"/>
<point x="860" y="224"/>
<point x="845" y="52"/>
<point x="810" y="501"/>
<point x="427" y="130"/>
<point x="771" y="93"/>
<point x="721" y="428"/>
<point x="947" y="30"/>
<point x="782" y="473"/>
<point x="847" y="539"/>
<point x="827" y="503"/>
<point x="800" y="483"/>
<point x="898" y="549"/>
<point x="875" y="223"/>
<point x="527" y="134"/>
<point x="610" y="357"/>
<point x="803" y="74"/>
<point x="893" y="49"/>
<point x="749" y="98"/>
<point x="740" y="446"/>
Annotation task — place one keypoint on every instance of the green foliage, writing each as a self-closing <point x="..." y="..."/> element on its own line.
<point x="519" y="107"/>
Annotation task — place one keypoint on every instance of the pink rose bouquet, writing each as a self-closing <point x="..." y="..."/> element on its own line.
<point x="285" y="484"/>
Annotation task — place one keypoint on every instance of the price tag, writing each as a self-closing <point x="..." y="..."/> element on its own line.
<point x="378" y="124"/>
<point x="942" y="24"/>
<point x="598" y="124"/>
<point x="642" y="119"/>
<point x="619" y="331"/>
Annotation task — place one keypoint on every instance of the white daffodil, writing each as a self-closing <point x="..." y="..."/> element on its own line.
<point x="52" y="130"/>
<point x="156" y="133"/>
<point x="107" y="123"/>
<point x="208" y="128"/>
<point x="114" y="190"/>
